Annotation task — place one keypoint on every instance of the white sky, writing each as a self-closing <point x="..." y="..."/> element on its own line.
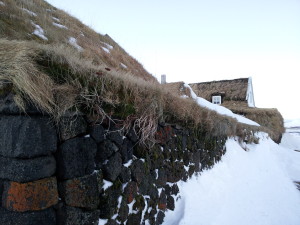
<point x="197" y="40"/>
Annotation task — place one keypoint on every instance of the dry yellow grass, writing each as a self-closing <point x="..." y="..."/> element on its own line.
<point x="17" y="23"/>
<point x="269" y="118"/>
<point x="56" y="79"/>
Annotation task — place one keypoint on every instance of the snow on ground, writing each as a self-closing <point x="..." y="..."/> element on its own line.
<point x="59" y="25"/>
<point x="29" y="12"/>
<point x="219" y="109"/>
<point x="107" y="45"/>
<point x="39" y="31"/>
<point x="56" y="19"/>
<point x="106" y="50"/>
<point x="123" y="65"/>
<point x="2" y="3"/>
<point x="253" y="187"/>
<point x="292" y="123"/>
<point x="73" y="42"/>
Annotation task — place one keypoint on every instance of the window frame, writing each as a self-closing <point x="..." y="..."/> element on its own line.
<point x="216" y="99"/>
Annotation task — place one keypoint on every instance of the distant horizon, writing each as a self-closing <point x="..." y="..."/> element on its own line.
<point x="197" y="41"/>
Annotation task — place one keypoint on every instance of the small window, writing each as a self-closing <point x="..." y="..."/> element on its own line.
<point x="216" y="100"/>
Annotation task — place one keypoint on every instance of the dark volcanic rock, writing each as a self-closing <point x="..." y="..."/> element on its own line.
<point x="123" y="211"/>
<point x="132" y="136"/>
<point x="105" y="150"/>
<point x="44" y="217"/>
<point x="126" y="151"/>
<point x="134" y="219"/>
<point x="97" y="133"/>
<point x="115" y="136"/>
<point x="130" y="191"/>
<point x="137" y="171"/>
<point x="160" y="218"/>
<point x="72" y="126"/>
<point x="67" y="215"/>
<point x="125" y="174"/>
<point x="113" y="167"/>
<point x="81" y="192"/>
<point x="170" y="203"/>
<point x="26" y="137"/>
<point x="75" y="158"/>
<point x="24" y="170"/>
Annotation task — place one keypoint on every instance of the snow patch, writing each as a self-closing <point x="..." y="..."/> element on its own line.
<point x="107" y="45"/>
<point x="219" y="109"/>
<point x="73" y="42"/>
<point x="29" y="12"/>
<point x="292" y="123"/>
<point x="130" y="206"/>
<point x="128" y="163"/>
<point x="59" y="25"/>
<point x="106" y="50"/>
<point x="39" y="31"/>
<point x="106" y="184"/>
<point x="2" y="3"/>
<point x="102" y="221"/>
<point x="56" y="19"/>
<point x="123" y="65"/>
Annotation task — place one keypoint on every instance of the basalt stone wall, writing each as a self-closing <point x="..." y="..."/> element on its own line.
<point x="78" y="172"/>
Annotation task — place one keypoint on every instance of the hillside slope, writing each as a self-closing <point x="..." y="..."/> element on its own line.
<point x="38" y="21"/>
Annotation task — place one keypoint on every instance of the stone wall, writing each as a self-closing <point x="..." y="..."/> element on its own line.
<point x="76" y="172"/>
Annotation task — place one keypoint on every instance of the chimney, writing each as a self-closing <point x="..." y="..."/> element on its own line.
<point x="163" y="79"/>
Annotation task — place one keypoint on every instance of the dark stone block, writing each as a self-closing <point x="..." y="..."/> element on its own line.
<point x="152" y="215"/>
<point x="1" y="190"/>
<point x="170" y="203"/>
<point x="168" y="189"/>
<point x="44" y="217"/>
<point x="162" y="178"/>
<point x="132" y="136"/>
<point x="113" y="167"/>
<point x="72" y="126"/>
<point x="97" y="132"/>
<point x="105" y="150"/>
<point x="156" y="157"/>
<point x="125" y="175"/>
<point x="123" y="211"/>
<point x="24" y="170"/>
<point x="31" y="196"/>
<point x="137" y="171"/>
<point x="140" y="151"/>
<point x="186" y="159"/>
<point x="134" y="219"/>
<point x="130" y="191"/>
<point x="75" y="158"/>
<point x="27" y="137"/>
<point x="162" y="202"/>
<point x="115" y="136"/>
<point x="164" y="134"/>
<point x="81" y="192"/>
<point x="175" y="172"/>
<point x="126" y="151"/>
<point x="160" y="218"/>
<point x="67" y="215"/>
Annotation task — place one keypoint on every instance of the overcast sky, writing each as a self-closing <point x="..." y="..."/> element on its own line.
<point x="197" y="40"/>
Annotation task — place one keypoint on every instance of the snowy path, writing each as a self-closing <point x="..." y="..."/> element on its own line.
<point x="253" y="187"/>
